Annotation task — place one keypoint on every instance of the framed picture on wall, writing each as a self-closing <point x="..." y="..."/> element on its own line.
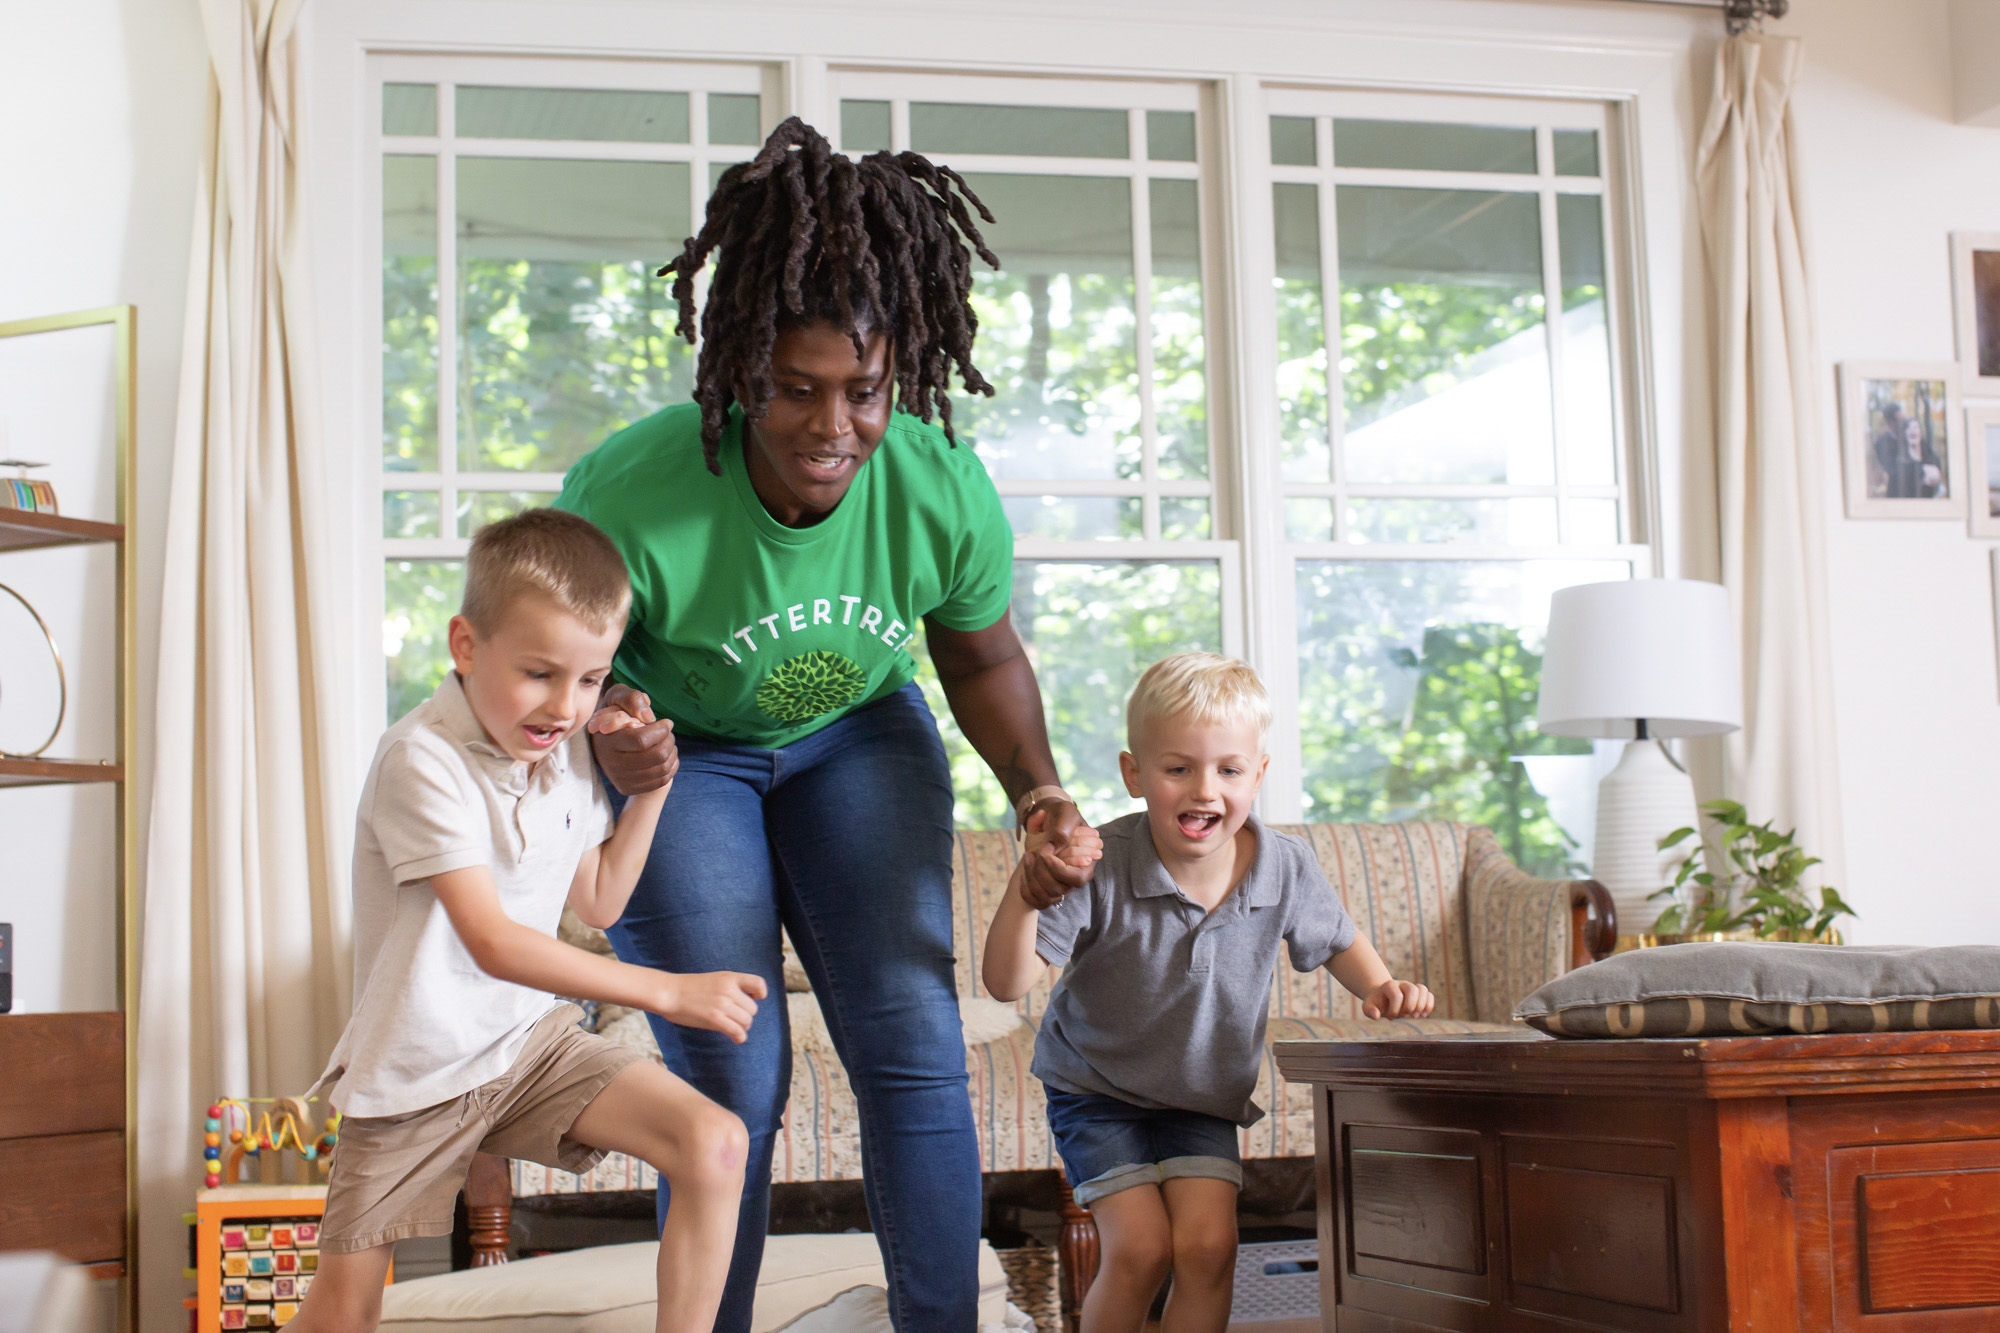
<point x="1982" y="469"/>
<point x="1898" y="427"/>
<point x="1975" y="270"/>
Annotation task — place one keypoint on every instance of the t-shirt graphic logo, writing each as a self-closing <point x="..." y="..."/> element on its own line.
<point x="809" y="685"/>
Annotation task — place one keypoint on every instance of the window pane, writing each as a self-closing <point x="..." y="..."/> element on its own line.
<point x="1590" y="448"/>
<point x="572" y="113"/>
<point x="566" y="337"/>
<point x="1576" y="152"/>
<point x="1090" y="630"/>
<point x="1444" y="354"/>
<point x="1019" y="131"/>
<point x="1180" y="380"/>
<point x="1057" y="330"/>
<point x="1308" y="520"/>
<point x="1301" y="335"/>
<point x="1590" y="522"/>
<point x="409" y="108"/>
<point x="420" y="598"/>
<point x="1292" y="143"/>
<point x="1170" y="136"/>
<point x="476" y="509"/>
<point x="864" y="127"/>
<point x="1529" y="521"/>
<point x="1417" y="684"/>
<point x="735" y="118"/>
<point x="1184" y="518"/>
<point x="409" y="314"/>
<point x="1075" y="518"/>
<point x="1420" y="146"/>
<point x="410" y="513"/>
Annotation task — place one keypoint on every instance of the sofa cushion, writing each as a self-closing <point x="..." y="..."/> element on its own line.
<point x="610" y="1289"/>
<point x="1746" y="989"/>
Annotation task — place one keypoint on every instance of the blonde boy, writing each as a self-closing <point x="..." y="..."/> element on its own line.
<point x="481" y="816"/>
<point x="1151" y="1042"/>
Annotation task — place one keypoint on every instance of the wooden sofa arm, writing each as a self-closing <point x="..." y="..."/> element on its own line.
<point x="1593" y="922"/>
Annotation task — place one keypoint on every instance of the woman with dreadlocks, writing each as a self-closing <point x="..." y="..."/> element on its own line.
<point x="786" y="534"/>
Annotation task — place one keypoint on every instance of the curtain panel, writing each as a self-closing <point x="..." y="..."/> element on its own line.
<point x="244" y="964"/>
<point x="1770" y="465"/>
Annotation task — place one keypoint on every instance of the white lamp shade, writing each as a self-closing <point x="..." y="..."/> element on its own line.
<point x="1659" y="649"/>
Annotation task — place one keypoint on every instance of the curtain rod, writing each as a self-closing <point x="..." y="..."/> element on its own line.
<point x="1740" y="13"/>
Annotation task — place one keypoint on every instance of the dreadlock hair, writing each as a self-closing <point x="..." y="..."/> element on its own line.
<point x="805" y="235"/>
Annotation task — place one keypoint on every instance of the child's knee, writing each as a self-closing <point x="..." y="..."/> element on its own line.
<point x="1205" y="1250"/>
<point x="1140" y="1255"/>
<point x="714" y="1147"/>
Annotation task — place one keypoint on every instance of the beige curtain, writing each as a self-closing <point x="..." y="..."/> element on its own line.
<point x="244" y="979"/>
<point x="1771" y="463"/>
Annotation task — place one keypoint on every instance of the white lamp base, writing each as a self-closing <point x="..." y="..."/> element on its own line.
<point x="1639" y="802"/>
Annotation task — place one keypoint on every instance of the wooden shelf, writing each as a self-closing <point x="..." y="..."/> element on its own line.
<point x="25" y="530"/>
<point x="48" y="772"/>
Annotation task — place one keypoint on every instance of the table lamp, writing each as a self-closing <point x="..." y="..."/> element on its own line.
<point x="1640" y="660"/>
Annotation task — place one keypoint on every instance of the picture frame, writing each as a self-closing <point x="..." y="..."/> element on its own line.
<point x="1899" y="428"/>
<point x="1975" y="288"/>
<point x="1982" y="469"/>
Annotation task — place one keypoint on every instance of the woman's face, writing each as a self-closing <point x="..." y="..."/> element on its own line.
<point x="1913" y="435"/>
<point x="828" y="415"/>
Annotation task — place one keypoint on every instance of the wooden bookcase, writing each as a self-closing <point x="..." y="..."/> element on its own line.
<point x="67" y="1103"/>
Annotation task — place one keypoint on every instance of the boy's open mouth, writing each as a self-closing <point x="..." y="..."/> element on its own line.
<point x="1200" y="823"/>
<point x="543" y="737"/>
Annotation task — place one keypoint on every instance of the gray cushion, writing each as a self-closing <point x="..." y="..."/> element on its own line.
<point x="1749" y="989"/>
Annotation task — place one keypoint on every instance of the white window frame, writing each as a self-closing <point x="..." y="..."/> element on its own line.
<point x="1640" y="73"/>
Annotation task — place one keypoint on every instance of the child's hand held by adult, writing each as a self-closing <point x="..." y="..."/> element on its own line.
<point x="724" y="1002"/>
<point x="1057" y="854"/>
<point x="1399" y="999"/>
<point x="637" y="759"/>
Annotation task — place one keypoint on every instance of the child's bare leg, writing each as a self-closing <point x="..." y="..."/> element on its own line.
<point x="1202" y="1214"/>
<point x="1136" y="1249"/>
<point x="700" y="1148"/>
<point x="346" y="1295"/>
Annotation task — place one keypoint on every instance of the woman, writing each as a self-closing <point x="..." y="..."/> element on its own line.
<point x="786" y="533"/>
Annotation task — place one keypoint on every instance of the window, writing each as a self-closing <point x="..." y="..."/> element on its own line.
<point x="1422" y="436"/>
<point x="1449" y="445"/>
<point x="1094" y="334"/>
<point x="524" y="208"/>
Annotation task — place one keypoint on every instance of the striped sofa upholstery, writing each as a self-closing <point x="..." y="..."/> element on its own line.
<point x="1440" y="901"/>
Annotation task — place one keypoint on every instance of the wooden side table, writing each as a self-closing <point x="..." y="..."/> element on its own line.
<point x="1774" y="1184"/>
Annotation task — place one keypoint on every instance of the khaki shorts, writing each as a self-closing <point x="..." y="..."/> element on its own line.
<point x="397" y="1176"/>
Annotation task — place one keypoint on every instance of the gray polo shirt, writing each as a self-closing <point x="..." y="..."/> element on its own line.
<point x="1162" y="1004"/>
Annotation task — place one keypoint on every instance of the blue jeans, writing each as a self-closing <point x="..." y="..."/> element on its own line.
<point x="846" y="837"/>
<point x="1108" y="1145"/>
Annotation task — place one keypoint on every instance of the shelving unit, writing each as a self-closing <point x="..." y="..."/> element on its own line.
<point x="69" y="1102"/>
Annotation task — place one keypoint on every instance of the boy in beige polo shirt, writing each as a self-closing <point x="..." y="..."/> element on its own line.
<point x="482" y="815"/>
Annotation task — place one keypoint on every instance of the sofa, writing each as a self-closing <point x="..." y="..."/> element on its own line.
<point x="1441" y="902"/>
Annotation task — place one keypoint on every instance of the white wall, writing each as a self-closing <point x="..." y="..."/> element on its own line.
<point x="1888" y="175"/>
<point x="102" y="103"/>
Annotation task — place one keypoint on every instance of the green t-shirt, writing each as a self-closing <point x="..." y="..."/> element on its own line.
<point x="748" y="631"/>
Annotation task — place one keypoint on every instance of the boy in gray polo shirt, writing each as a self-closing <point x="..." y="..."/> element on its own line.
<point x="480" y="818"/>
<point x="1152" y="1040"/>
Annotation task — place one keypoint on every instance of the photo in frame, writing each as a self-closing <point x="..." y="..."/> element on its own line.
<point x="1975" y="287"/>
<point x="1982" y="469"/>
<point x="1899" y="423"/>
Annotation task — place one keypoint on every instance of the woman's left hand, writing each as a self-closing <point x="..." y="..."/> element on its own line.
<point x="1058" y="854"/>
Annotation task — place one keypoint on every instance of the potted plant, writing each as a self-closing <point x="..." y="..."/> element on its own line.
<point x="1756" y="893"/>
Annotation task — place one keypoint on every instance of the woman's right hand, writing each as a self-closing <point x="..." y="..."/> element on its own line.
<point x="636" y="759"/>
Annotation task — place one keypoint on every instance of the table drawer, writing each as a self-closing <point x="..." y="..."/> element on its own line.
<point x="61" y="1074"/>
<point x="64" y="1192"/>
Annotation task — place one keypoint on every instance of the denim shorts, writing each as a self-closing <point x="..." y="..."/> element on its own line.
<point x="1108" y="1145"/>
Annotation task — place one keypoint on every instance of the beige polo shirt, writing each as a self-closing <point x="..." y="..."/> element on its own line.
<point x="428" y="1023"/>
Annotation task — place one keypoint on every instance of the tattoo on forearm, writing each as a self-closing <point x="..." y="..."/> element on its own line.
<point x="1014" y="780"/>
